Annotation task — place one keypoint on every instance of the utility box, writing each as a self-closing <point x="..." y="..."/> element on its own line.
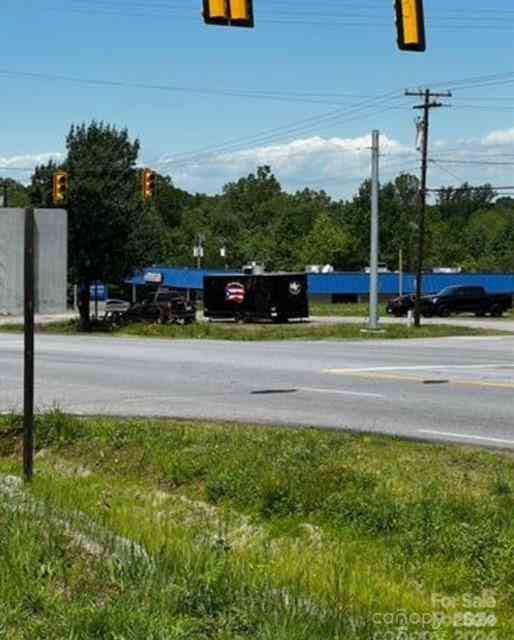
<point x="51" y="260"/>
<point x="267" y="296"/>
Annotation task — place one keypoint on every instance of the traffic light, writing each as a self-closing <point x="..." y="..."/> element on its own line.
<point x="410" y="24"/>
<point x="149" y="182"/>
<point x="233" y="13"/>
<point x="60" y="187"/>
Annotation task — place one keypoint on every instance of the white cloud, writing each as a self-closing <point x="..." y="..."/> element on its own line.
<point x="21" y="167"/>
<point x="28" y="161"/>
<point x="499" y="138"/>
<point x="337" y="165"/>
<point x="316" y="162"/>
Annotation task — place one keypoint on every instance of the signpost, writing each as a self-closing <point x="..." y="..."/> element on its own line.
<point x="28" y="381"/>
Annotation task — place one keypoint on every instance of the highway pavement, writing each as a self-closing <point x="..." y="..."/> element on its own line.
<point x="456" y="389"/>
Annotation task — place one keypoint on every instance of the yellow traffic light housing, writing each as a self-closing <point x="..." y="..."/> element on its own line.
<point x="60" y="187"/>
<point x="233" y="13"/>
<point x="410" y="24"/>
<point x="149" y="183"/>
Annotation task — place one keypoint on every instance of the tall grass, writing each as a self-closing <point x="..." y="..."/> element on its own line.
<point x="248" y="532"/>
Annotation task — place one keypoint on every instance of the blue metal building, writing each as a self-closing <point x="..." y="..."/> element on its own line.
<point x="343" y="283"/>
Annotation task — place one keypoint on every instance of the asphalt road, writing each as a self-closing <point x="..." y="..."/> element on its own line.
<point x="458" y="389"/>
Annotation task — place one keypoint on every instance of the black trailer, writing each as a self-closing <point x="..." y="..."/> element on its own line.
<point x="265" y="296"/>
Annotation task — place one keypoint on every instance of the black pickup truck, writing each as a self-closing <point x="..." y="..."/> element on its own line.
<point x="455" y="299"/>
<point x="163" y="307"/>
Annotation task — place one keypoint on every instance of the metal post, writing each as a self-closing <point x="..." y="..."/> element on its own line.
<point x="373" y="272"/>
<point x="134" y="294"/>
<point x="28" y="381"/>
<point x="400" y="272"/>
<point x="199" y="254"/>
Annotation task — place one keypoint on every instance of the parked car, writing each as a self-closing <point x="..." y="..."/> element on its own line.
<point x="162" y="307"/>
<point x="113" y="305"/>
<point x="454" y="299"/>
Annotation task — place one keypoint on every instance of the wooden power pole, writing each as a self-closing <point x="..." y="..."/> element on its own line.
<point x="428" y="104"/>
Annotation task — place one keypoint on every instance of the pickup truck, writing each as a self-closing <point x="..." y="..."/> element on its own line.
<point x="454" y="299"/>
<point x="161" y="307"/>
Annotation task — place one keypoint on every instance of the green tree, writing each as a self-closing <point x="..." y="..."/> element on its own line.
<point x="111" y="232"/>
<point x="15" y="194"/>
<point x="40" y="190"/>
<point x="326" y="243"/>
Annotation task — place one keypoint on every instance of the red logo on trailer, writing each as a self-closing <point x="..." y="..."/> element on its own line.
<point x="235" y="292"/>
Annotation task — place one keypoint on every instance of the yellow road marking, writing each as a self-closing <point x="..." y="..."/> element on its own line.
<point x="370" y="375"/>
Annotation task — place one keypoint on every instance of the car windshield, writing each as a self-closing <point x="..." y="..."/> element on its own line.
<point x="448" y="291"/>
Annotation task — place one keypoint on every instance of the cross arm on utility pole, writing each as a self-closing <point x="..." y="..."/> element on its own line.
<point x="421" y="94"/>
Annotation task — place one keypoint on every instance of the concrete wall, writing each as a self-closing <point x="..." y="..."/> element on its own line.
<point x="51" y="260"/>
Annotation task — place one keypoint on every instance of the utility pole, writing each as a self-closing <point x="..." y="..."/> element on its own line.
<point x="28" y="381"/>
<point x="428" y="104"/>
<point x="198" y="251"/>
<point x="373" y="263"/>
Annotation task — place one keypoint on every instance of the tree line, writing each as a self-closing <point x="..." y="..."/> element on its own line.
<point x="112" y="230"/>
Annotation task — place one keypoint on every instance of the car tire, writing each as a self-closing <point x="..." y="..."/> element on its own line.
<point x="496" y="311"/>
<point x="443" y="312"/>
<point x="427" y="314"/>
<point x="480" y="314"/>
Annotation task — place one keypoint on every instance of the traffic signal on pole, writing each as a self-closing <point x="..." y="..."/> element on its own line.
<point x="410" y="24"/>
<point x="233" y="13"/>
<point x="60" y="187"/>
<point x="149" y="183"/>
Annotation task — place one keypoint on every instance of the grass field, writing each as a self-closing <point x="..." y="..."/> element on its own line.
<point x="360" y="310"/>
<point x="178" y="530"/>
<point x="291" y="331"/>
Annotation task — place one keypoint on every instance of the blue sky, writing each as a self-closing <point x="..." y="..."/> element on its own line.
<point x="331" y="57"/>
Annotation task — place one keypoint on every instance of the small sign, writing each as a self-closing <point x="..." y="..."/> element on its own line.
<point x="98" y="292"/>
<point x="153" y="278"/>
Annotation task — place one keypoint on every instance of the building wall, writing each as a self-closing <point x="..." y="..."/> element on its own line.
<point x="51" y="260"/>
<point x="351" y="285"/>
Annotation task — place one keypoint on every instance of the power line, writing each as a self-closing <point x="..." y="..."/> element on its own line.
<point x="473" y="162"/>
<point x="375" y="21"/>
<point x="266" y="95"/>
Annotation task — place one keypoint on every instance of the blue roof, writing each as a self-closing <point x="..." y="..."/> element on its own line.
<point x="352" y="282"/>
